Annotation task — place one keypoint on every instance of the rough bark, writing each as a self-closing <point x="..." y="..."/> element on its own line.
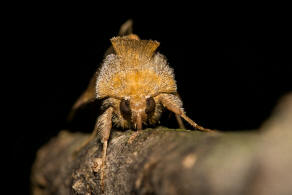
<point x="168" y="161"/>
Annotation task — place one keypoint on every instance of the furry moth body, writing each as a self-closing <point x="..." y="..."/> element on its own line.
<point x="136" y="83"/>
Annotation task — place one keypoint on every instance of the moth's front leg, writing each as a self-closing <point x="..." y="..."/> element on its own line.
<point x="174" y="104"/>
<point x="103" y="128"/>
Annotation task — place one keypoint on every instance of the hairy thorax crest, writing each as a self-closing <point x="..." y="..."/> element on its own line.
<point x="134" y="70"/>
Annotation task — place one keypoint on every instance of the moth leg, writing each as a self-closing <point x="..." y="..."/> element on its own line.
<point x="174" y="104"/>
<point x="179" y="122"/>
<point x="97" y="129"/>
<point x="178" y="118"/>
<point x="103" y="128"/>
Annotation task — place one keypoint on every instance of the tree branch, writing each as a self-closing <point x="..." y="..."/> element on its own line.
<point x="167" y="161"/>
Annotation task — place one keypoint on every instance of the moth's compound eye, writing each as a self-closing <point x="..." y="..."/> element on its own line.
<point x="150" y="106"/>
<point x="125" y="109"/>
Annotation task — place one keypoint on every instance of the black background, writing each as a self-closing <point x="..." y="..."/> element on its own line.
<point x="231" y="64"/>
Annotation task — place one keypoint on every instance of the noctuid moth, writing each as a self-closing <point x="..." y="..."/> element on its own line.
<point x="135" y="83"/>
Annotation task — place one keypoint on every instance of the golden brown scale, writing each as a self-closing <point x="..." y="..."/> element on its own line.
<point x="136" y="82"/>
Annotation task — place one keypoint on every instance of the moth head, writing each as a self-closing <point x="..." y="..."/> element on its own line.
<point x="137" y="110"/>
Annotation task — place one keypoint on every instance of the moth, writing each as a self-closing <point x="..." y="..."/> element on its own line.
<point x="135" y="83"/>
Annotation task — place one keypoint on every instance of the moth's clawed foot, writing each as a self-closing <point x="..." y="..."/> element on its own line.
<point x="200" y="128"/>
<point x="205" y="129"/>
<point x="98" y="166"/>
